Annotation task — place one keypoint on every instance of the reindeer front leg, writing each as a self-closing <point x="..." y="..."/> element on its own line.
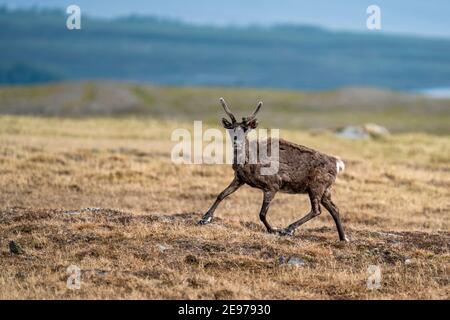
<point x="268" y="197"/>
<point x="209" y="215"/>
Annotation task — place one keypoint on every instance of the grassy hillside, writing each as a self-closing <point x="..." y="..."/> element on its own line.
<point x="140" y="240"/>
<point x="35" y="46"/>
<point x="282" y="109"/>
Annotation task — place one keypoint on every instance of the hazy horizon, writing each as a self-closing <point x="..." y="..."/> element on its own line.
<point x="414" y="18"/>
<point x="39" y="48"/>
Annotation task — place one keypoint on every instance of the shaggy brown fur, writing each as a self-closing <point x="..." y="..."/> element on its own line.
<point x="301" y="170"/>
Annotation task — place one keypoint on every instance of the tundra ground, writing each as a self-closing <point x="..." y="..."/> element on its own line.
<point x="103" y="194"/>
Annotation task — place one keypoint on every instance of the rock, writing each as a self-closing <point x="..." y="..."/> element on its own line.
<point x="293" y="261"/>
<point x="21" y="275"/>
<point x="14" y="248"/>
<point x="353" y="132"/>
<point x="387" y="234"/>
<point x="78" y="212"/>
<point x="72" y="213"/>
<point x="162" y="247"/>
<point x="191" y="259"/>
<point x="101" y="272"/>
<point x="376" y="131"/>
<point x="367" y="131"/>
<point x="409" y="261"/>
<point x="296" y="261"/>
<point x="396" y="243"/>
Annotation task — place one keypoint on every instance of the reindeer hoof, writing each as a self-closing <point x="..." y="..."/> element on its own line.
<point x="204" y="221"/>
<point x="346" y="239"/>
<point x="286" y="232"/>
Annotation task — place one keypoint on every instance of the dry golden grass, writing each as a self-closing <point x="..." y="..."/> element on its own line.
<point x="394" y="198"/>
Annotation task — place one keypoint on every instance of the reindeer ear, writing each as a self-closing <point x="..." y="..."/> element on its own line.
<point x="253" y="124"/>
<point x="226" y="123"/>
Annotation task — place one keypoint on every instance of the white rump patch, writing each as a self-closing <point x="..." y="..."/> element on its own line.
<point x="340" y="165"/>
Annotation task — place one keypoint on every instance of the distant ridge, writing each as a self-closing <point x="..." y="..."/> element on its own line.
<point x="36" y="47"/>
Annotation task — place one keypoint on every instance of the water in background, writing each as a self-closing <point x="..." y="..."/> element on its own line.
<point x="437" y="93"/>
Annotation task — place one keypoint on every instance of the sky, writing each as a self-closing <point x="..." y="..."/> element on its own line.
<point x="416" y="17"/>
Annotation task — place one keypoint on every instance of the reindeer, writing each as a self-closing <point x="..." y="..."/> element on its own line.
<point x="300" y="170"/>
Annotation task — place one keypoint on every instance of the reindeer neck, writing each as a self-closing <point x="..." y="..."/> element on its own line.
<point x="245" y="158"/>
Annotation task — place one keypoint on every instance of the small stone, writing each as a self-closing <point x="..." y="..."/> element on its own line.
<point x="191" y="259"/>
<point x="72" y="213"/>
<point x="14" y="248"/>
<point x="296" y="261"/>
<point x="353" y="132"/>
<point x="375" y="130"/>
<point x="101" y="272"/>
<point x="396" y="243"/>
<point x="162" y="247"/>
<point x="292" y="261"/>
<point x="368" y="130"/>
<point x="409" y="261"/>
<point x="387" y="234"/>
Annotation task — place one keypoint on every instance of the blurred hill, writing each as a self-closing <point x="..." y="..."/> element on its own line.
<point x="35" y="47"/>
<point x="399" y="112"/>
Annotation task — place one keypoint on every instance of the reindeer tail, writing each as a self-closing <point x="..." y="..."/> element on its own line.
<point x="340" y="165"/>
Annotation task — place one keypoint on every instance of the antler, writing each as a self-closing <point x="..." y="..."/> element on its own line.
<point x="256" y="110"/>
<point x="227" y="110"/>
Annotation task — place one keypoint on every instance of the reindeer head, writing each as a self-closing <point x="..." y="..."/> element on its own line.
<point x="239" y="130"/>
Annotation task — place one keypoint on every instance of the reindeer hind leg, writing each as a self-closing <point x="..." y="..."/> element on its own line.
<point x="315" y="211"/>
<point x="334" y="211"/>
